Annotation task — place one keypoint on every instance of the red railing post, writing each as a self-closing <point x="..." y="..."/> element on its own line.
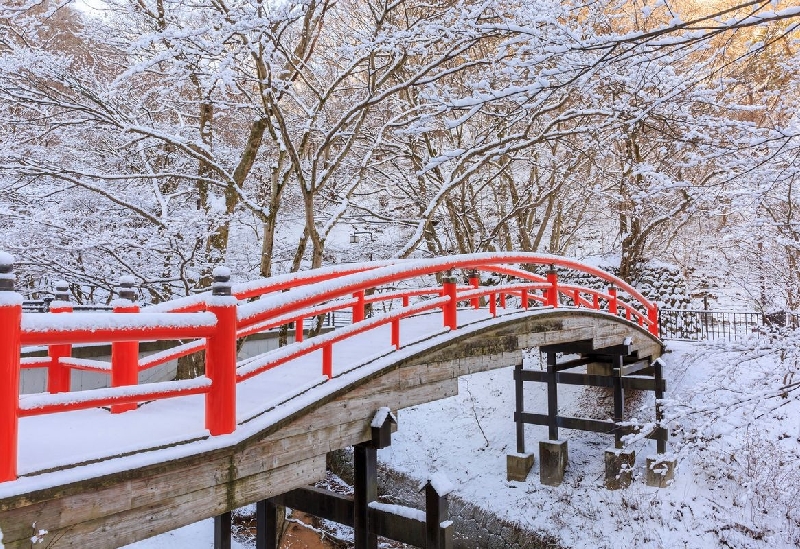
<point x="327" y="360"/>
<point x="493" y="305"/>
<point x="358" y="308"/>
<point x="221" y="357"/>
<point x="596" y="301"/>
<point x="503" y="300"/>
<point x="58" y="375"/>
<point x="396" y="333"/>
<point x="652" y="316"/>
<point x="612" y="302"/>
<point x="576" y="297"/>
<point x="10" y="346"/>
<point x="523" y="297"/>
<point x="298" y="330"/>
<point x="125" y="354"/>
<point x="475" y="282"/>
<point x="405" y="301"/>
<point x="552" y="291"/>
<point x="450" y="309"/>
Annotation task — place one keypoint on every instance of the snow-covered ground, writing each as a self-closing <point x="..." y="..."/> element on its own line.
<point x="736" y="437"/>
<point x="734" y="413"/>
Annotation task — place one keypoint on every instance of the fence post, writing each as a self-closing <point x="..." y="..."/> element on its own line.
<point x="221" y="356"/>
<point x="57" y="374"/>
<point x="612" y="302"/>
<point x="493" y="305"/>
<point x="652" y="316"/>
<point x="358" y="308"/>
<point x="298" y="330"/>
<point x="475" y="282"/>
<point x="10" y="346"/>
<point x="552" y="292"/>
<point x="450" y="309"/>
<point x="523" y="298"/>
<point x="125" y="354"/>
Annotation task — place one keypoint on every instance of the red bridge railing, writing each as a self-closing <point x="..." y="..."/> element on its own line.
<point x="216" y="320"/>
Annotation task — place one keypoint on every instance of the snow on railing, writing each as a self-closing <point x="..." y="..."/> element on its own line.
<point x="214" y="322"/>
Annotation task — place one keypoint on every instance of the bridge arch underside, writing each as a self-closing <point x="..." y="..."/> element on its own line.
<point x="117" y="509"/>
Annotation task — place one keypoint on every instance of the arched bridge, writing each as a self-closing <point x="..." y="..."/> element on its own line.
<point x="106" y="467"/>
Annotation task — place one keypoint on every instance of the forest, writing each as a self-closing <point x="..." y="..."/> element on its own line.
<point x="158" y="138"/>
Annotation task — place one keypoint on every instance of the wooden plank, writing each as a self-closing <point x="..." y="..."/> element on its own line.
<point x="569" y="347"/>
<point x="639" y="383"/>
<point x="321" y="503"/>
<point x="398" y="528"/>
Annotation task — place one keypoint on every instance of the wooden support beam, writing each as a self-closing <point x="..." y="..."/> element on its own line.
<point x="570" y="347"/>
<point x="633" y="367"/>
<point x="624" y="349"/>
<point x="592" y="425"/>
<point x="321" y="503"/>
<point x="639" y="383"/>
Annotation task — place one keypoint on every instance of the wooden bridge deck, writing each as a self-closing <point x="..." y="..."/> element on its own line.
<point x="172" y="473"/>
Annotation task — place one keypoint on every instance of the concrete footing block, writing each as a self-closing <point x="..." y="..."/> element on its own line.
<point x="518" y="466"/>
<point x="619" y="468"/>
<point x="552" y="461"/>
<point x="660" y="471"/>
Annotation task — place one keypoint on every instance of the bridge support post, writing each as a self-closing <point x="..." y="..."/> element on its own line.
<point x="58" y="375"/>
<point x="267" y="524"/>
<point x="619" y="398"/>
<point x="552" y="397"/>
<point x="221" y="357"/>
<point x="519" y="465"/>
<point x="125" y="354"/>
<point x="10" y="344"/>
<point x="222" y="531"/>
<point x="365" y="465"/>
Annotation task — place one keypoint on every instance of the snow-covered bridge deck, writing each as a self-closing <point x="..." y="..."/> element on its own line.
<point x="134" y="474"/>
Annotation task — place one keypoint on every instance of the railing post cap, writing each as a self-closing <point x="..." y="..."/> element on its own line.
<point x="6" y="262"/>
<point x="61" y="290"/>
<point x="127" y="288"/>
<point x="7" y="277"/>
<point x="449" y="279"/>
<point x="221" y="284"/>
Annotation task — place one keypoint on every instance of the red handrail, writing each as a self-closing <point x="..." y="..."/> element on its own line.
<point x="214" y="323"/>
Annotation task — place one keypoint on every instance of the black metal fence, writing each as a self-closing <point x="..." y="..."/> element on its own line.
<point x="693" y="325"/>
